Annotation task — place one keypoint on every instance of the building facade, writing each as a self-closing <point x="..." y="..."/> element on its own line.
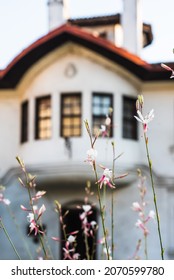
<point x="77" y="72"/>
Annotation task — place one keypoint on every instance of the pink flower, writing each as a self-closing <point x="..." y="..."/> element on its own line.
<point x="69" y="249"/>
<point x="41" y="210"/>
<point x="141" y="225"/>
<point x="76" y="256"/>
<point x="35" y="227"/>
<point x="38" y="195"/>
<point x="88" y="227"/>
<point x="136" y="207"/>
<point x="145" y="120"/>
<point x="105" y="179"/>
<point x="150" y="216"/>
<point x="56" y="239"/>
<point x="4" y="200"/>
<point x="32" y="219"/>
<point x="103" y="131"/>
<point x="168" y="69"/>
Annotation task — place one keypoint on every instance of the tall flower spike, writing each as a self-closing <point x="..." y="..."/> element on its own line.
<point x="145" y="120"/>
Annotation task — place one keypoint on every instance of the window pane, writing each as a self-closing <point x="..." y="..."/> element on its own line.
<point x="24" y="122"/>
<point x="71" y="115"/>
<point x="43" y="118"/>
<point x="101" y="109"/>
<point x="130" y="129"/>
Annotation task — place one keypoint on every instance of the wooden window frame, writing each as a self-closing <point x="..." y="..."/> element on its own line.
<point x="103" y="116"/>
<point x="63" y="116"/>
<point x="38" y="119"/>
<point x="24" y="121"/>
<point x="126" y="119"/>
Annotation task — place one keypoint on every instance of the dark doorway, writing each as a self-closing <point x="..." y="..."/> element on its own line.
<point x="73" y="223"/>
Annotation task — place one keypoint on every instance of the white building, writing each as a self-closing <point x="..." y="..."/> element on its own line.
<point x="76" y="72"/>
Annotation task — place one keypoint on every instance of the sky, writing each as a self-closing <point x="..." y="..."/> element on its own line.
<point x="24" y="21"/>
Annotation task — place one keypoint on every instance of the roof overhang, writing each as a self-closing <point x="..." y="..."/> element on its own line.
<point x="13" y="73"/>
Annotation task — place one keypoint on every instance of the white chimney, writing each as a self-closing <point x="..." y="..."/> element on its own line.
<point x="56" y="13"/>
<point x="132" y="26"/>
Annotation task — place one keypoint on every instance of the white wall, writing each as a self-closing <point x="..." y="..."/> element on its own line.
<point x="10" y="133"/>
<point x="90" y="77"/>
<point x="161" y="129"/>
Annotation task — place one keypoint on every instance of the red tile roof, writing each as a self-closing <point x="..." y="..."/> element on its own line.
<point x="11" y="75"/>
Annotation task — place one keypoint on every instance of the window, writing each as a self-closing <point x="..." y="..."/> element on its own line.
<point x="70" y="115"/>
<point x="130" y="128"/>
<point x="24" y="122"/>
<point x="101" y="105"/>
<point x="103" y="35"/>
<point x="43" y="118"/>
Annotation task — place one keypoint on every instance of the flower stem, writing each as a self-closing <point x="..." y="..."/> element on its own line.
<point x="145" y="247"/>
<point x="112" y="202"/>
<point x="101" y="212"/>
<point x="20" y="233"/>
<point x="154" y="195"/>
<point x="87" y="247"/>
<point x="9" y="239"/>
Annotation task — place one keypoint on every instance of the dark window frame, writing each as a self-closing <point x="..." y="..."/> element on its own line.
<point x="103" y="116"/>
<point x="38" y="101"/>
<point x="129" y="121"/>
<point x="24" y="121"/>
<point x="63" y="116"/>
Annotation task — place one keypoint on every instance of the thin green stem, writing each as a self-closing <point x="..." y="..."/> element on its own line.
<point x="9" y="239"/>
<point x="145" y="247"/>
<point x="19" y="231"/>
<point x="86" y="246"/>
<point x="154" y="195"/>
<point x="101" y="212"/>
<point x="112" y="203"/>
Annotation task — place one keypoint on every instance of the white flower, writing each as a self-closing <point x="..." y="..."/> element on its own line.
<point x="108" y="121"/>
<point x="151" y="214"/>
<point x="86" y="207"/>
<point x="103" y="128"/>
<point x="136" y="207"/>
<point x="93" y="224"/>
<point x="92" y="154"/>
<point x="71" y="239"/>
<point x="145" y="120"/>
<point x="30" y="217"/>
<point x="108" y="173"/>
